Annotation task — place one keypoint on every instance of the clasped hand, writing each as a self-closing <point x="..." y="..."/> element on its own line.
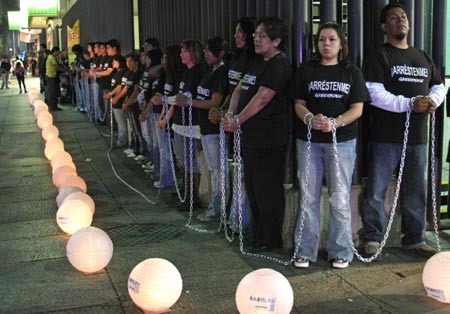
<point x="424" y="104"/>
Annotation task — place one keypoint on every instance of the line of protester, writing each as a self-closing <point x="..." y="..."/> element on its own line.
<point x="194" y="88"/>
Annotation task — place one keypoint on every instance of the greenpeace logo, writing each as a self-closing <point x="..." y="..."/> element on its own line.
<point x="249" y="79"/>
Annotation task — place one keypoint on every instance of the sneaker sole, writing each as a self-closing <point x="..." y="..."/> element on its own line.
<point x="340" y="266"/>
<point x="301" y="265"/>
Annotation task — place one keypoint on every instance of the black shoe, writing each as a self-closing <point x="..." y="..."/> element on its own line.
<point x="56" y="109"/>
<point x="424" y="250"/>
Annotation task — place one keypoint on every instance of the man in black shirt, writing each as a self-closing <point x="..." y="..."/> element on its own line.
<point x="400" y="79"/>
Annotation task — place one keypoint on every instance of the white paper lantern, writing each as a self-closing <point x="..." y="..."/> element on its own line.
<point x="89" y="249"/>
<point x="73" y="181"/>
<point x="73" y="215"/>
<point x="81" y="196"/>
<point x="59" y="155"/>
<point x="61" y="173"/>
<point x="436" y="277"/>
<point x="63" y="162"/>
<point x="49" y="131"/>
<point x="264" y="291"/>
<point x="52" y="146"/>
<point x="44" y="119"/>
<point x="65" y="192"/>
<point x="155" y="285"/>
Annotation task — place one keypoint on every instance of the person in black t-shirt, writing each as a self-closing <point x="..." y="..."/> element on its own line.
<point x="118" y="92"/>
<point x="5" y="68"/>
<point x="259" y="106"/>
<point x="173" y="71"/>
<point x="211" y="91"/>
<point x="184" y="131"/>
<point x="328" y="90"/>
<point x="400" y="79"/>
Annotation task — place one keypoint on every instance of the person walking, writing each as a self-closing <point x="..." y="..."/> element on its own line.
<point x="20" y="73"/>
<point x="401" y="79"/>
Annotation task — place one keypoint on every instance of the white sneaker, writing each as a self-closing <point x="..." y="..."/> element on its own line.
<point x="340" y="263"/>
<point x="301" y="262"/>
<point x="147" y="165"/>
<point x="131" y="155"/>
<point x="139" y="157"/>
<point x="127" y="151"/>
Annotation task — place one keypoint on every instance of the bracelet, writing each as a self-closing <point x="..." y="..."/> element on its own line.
<point x="236" y="117"/>
<point x="306" y="116"/>
<point x="342" y="120"/>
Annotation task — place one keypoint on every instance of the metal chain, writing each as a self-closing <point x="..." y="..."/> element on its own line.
<point x="114" y="169"/>
<point x="191" y="173"/>
<point x="433" y="182"/>
<point x="169" y="143"/>
<point x="223" y="214"/>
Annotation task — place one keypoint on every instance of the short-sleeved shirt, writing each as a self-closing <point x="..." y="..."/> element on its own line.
<point x="50" y="66"/>
<point x="215" y="81"/>
<point x="129" y="80"/>
<point x="105" y="81"/>
<point x="409" y="72"/>
<point x="329" y="90"/>
<point x="188" y="86"/>
<point x="237" y="68"/>
<point x="269" y="127"/>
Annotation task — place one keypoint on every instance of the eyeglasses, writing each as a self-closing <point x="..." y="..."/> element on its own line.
<point x="260" y="35"/>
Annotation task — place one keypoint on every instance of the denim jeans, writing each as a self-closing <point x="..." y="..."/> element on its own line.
<point x="211" y="150"/>
<point x="179" y="152"/>
<point x="5" y="78"/>
<point x="154" y="118"/>
<point x="166" y="177"/>
<point x="95" y="97"/>
<point x="338" y="178"/>
<point x="385" y="157"/>
<point x="122" y="129"/>
<point x="147" y="134"/>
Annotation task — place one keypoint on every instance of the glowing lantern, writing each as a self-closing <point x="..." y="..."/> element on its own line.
<point x="64" y="193"/>
<point x="63" y="162"/>
<point x="81" y="196"/>
<point x="61" y="173"/>
<point x="73" y="181"/>
<point x="33" y="99"/>
<point x="39" y="110"/>
<point x="155" y="285"/>
<point x="51" y="149"/>
<point x="73" y="215"/>
<point x="38" y="102"/>
<point x="44" y="119"/>
<point x="89" y="249"/>
<point x="50" y="131"/>
<point x="436" y="277"/>
<point x="264" y="291"/>
<point x="60" y="155"/>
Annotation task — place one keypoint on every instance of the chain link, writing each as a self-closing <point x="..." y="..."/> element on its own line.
<point x="223" y="215"/>
<point x="433" y="181"/>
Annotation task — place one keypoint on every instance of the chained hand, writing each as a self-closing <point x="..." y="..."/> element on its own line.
<point x="423" y="104"/>
<point x="181" y="100"/>
<point x="229" y="123"/>
<point x="214" y="115"/>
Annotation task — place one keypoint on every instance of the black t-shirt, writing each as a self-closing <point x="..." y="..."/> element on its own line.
<point x="408" y="72"/>
<point x="237" y="68"/>
<point x="129" y="79"/>
<point x="158" y="87"/>
<point x="269" y="127"/>
<point x="105" y="81"/>
<point x="214" y="82"/>
<point x="329" y="90"/>
<point x="188" y="86"/>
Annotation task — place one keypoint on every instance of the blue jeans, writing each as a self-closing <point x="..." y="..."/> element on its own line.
<point x="166" y="177"/>
<point x="154" y="118"/>
<point x="122" y="129"/>
<point x="179" y="152"/>
<point x="322" y="163"/>
<point x="211" y="150"/>
<point x="148" y="137"/>
<point x="385" y="157"/>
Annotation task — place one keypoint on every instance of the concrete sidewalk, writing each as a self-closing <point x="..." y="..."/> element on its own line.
<point x="36" y="277"/>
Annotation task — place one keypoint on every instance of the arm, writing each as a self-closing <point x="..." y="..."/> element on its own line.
<point x="234" y="99"/>
<point x="106" y="72"/>
<point x="214" y="102"/>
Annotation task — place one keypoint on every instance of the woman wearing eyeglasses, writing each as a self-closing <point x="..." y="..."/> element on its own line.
<point x="259" y="107"/>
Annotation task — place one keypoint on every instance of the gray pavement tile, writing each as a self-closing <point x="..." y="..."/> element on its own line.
<point x="49" y="285"/>
<point x="27" y="210"/>
<point x="29" y="229"/>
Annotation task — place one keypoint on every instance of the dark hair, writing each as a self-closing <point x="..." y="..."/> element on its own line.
<point x="77" y="49"/>
<point x="173" y="64"/>
<point x="275" y="28"/>
<point x="195" y="48"/>
<point x="133" y="56"/>
<point x="248" y="28"/>
<point x="343" y="57"/>
<point x="54" y="49"/>
<point x="216" y="45"/>
<point x="155" y="57"/>
<point x="43" y="46"/>
<point x="122" y="61"/>
<point x="114" y="43"/>
<point x="387" y="7"/>
<point x="153" y="41"/>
